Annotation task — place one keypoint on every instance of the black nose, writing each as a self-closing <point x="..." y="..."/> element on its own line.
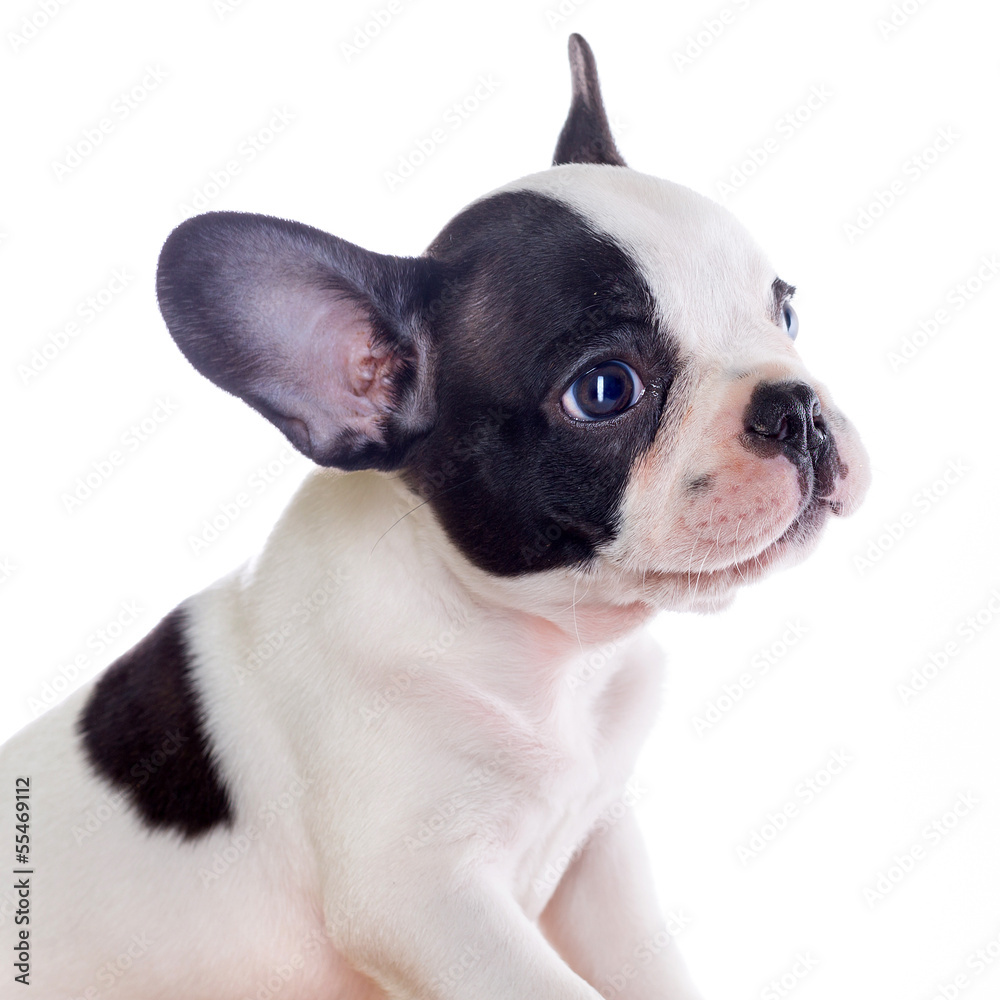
<point x="785" y="417"/>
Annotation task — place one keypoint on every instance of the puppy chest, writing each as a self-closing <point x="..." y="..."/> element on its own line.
<point x="552" y="837"/>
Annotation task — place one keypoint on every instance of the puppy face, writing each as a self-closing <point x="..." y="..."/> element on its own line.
<point x="751" y="454"/>
<point x="588" y="375"/>
<point x="711" y="455"/>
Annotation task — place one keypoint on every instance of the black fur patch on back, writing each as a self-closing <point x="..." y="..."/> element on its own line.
<point x="142" y="731"/>
<point x="530" y="297"/>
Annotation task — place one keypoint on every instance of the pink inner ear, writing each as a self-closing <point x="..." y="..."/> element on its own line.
<point x="328" y="371"/>
<point x="370" y="367"/>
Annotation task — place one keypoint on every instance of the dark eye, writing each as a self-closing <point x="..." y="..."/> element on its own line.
<point x="791" y="320"/>
<point x="602" y="392"/>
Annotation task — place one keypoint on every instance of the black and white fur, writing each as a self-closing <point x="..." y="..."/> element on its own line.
<point x="375" y="807"/>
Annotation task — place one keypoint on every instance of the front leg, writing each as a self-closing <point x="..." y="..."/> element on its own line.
<point x="605" y="921"/>
<point x="431" y="936"/>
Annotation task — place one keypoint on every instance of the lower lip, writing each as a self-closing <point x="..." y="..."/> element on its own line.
<point x="719" y="582"/>
<point x="813" y="515"/>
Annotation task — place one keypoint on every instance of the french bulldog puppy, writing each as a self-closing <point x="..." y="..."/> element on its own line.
<point x="389" y="757"/>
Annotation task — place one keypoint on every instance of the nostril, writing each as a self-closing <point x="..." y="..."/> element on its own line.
<point x="786" y="416"/>
<point x="817" y="435"/>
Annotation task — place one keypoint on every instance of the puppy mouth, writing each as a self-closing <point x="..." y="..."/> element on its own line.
<point x="817" y="478"/>
<point x="713" y="588"/>
<point x="824" y="490"/>
<point x="798" y="538"/>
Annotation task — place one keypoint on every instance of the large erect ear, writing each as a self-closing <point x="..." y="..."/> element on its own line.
<point x="321" y="336"/>
<point x="586" y="136"/>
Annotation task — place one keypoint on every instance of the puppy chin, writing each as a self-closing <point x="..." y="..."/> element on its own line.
<point x="706" y="604"/>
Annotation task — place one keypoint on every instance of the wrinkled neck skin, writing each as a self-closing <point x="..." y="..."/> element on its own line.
<point x="362" y="565"/>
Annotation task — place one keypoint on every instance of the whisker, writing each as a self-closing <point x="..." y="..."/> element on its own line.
<point x="418" y="506"/>
<point x="736" y="548"/>
<point x="694" y="545"/>
<point x="697" y="581"/>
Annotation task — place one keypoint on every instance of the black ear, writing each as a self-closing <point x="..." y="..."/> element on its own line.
<point x="321" y="336"/>
<point x="586" y="136"/>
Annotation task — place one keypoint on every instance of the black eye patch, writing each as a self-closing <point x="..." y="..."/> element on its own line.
<point x="534" y="295"/>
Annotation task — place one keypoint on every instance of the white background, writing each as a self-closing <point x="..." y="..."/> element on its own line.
<point x="864" y="624"/>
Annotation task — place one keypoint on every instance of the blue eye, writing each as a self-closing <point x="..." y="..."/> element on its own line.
<point x="791" y="320"/>
<point x="605" y="391"/>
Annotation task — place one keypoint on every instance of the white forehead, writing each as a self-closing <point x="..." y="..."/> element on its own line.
<point x="711" y="282"/>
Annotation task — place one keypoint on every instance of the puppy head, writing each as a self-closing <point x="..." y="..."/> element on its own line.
<point x="589" y="375"/>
